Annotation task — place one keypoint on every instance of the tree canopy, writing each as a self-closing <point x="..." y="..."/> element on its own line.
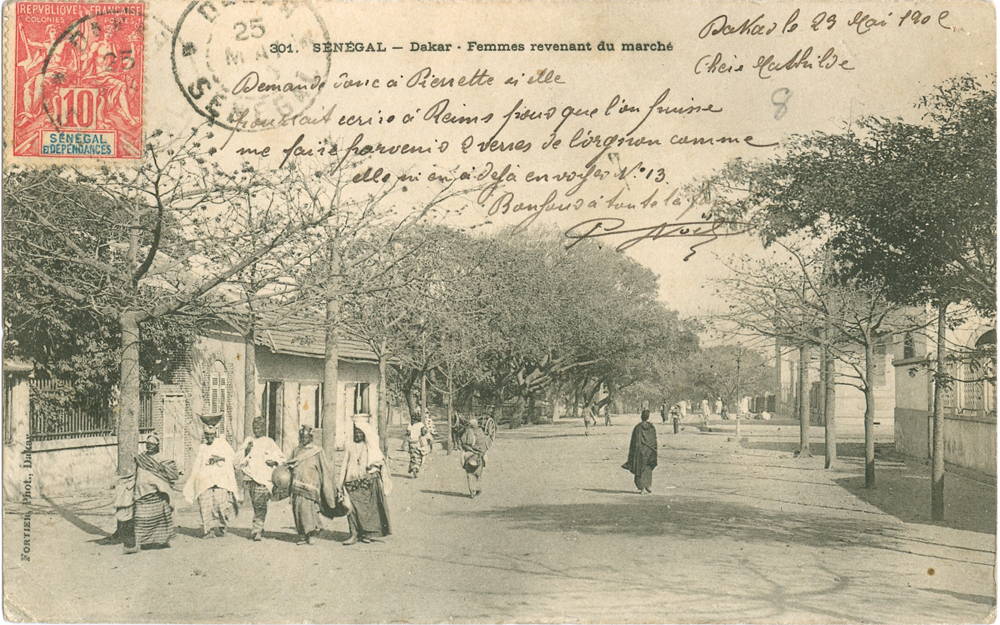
<point x="909" y="205"/>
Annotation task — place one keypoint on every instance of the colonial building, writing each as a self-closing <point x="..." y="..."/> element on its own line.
<point x="849" y="404"/>
<point x="970" y="408"/>
<point x="78" y="451"/>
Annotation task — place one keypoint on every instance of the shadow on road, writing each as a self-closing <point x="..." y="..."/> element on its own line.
<point x="691" y="517"/>
<point x="190" y="531"/>
<point x="963" y="596"/>
<point x="903" y="488"/>
<point x="969" y="505"/>
<point x="244" y="534"/>
<point x="884" y="452"/>
<point x="697" y="518"/>
<point x="534" y="437"/>
<point x="73" y="518"/>
<point x="446" y="493"/>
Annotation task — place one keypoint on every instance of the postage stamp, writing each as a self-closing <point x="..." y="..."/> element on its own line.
<point x="77" y="88"/>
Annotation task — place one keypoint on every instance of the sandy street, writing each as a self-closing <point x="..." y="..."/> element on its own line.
<point x="730" y="534"/>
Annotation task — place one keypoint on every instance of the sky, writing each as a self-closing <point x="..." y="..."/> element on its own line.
<point x="885" y="60"/>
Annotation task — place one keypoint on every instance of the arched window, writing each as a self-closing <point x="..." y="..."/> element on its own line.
<point x="217" y="384"/>
<point x="987" y="343"/>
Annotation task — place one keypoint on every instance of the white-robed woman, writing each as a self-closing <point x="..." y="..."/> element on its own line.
<point x="364" y="484"/>
<point x="212" y="482"/>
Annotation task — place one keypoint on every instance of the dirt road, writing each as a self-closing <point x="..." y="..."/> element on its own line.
<point x="729" y="535"/>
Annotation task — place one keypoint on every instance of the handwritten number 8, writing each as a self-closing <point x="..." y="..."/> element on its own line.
<point x="256" y="29"/>
<point x="780" y="99"/>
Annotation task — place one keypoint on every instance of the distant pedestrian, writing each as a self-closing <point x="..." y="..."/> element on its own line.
<point x="313" y="490"/>
<point x="663" y="412"/>
<point x="364" y="485"/>
<point x="475" y="443"/>
<point x="431" y="431"/>
<point x="417" y="438"/>
<point x="256" y="458"/>
<point x="724" y="412"/>
<point x="589" y="418"/>
<point x="607" y="414"/>
<point x="213" y="481"/>
<point x="642" y="454"/>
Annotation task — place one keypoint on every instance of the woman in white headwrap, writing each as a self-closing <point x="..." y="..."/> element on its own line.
<point x="364" y="483"/>
<point x="212" y="483"/>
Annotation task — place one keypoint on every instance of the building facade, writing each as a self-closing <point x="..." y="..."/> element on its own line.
<point x="210" y="379"/>
<point x="970" y="409"/>
<point x="849" y="401"/>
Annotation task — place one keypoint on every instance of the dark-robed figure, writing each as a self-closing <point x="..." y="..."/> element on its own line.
<point x="142" y="501"/>
<point x="313" y="487"/>
<point x="364" y="485"/>
<point x="642" y="454"/>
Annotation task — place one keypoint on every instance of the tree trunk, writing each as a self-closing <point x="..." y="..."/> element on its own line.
<point x="451" y="391"/>
<point x="383" y="403"/>
<point x="940" y="386"/>
<point x="779" y="395"/>
<point x="803" y="403"/>
<point x="577" y="392"/>
<point x="423" y="396"/>
<point x="411" y="402"/>
<point x="829" y="404"/>
<point x="518" y="415"/>
<point x="249" y="381"/>
<point x="331" y="376"/>
<point x="128" y="399"/>
<point x="612" y="398"/>
<point x="869" y="413"/>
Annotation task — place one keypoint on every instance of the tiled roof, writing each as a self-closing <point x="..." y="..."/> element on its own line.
<point x="16" y="366"/>
<point x="300" y="337"/>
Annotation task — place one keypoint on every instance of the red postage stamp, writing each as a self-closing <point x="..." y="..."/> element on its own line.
<point x="78" y="80"/>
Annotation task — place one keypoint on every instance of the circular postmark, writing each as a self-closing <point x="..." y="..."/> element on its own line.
<point x="250" y="65"/>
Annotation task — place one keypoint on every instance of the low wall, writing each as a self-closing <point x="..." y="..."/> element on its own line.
<point x="61" y="467"/>
<point x="970" y="441"/>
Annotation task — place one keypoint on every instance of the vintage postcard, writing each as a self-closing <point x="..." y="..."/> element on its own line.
<point x="499" y="312"/>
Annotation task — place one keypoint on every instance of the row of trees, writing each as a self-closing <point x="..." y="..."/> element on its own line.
<point x="726" y="372"/>
<point x="519" y="320"/>
<point x="869" y="223"/>
<point x="109" y="275"/>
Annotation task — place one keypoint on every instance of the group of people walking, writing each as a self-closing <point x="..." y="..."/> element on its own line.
<point x="474" y="444"/>
<point x="144" y="512"/>
<point x="590" y="414"/>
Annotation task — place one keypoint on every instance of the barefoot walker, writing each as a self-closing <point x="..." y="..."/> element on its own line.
<point x="475" y="443"/>
<point x="364" y="484"/>
<point x="213" y="481"/>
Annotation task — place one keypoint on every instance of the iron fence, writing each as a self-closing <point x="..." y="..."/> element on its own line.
<point x="55" y="415"/>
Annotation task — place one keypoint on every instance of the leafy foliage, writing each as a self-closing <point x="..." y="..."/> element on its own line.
<point x="909" y="206"/>
<point x="73" y="338"/>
